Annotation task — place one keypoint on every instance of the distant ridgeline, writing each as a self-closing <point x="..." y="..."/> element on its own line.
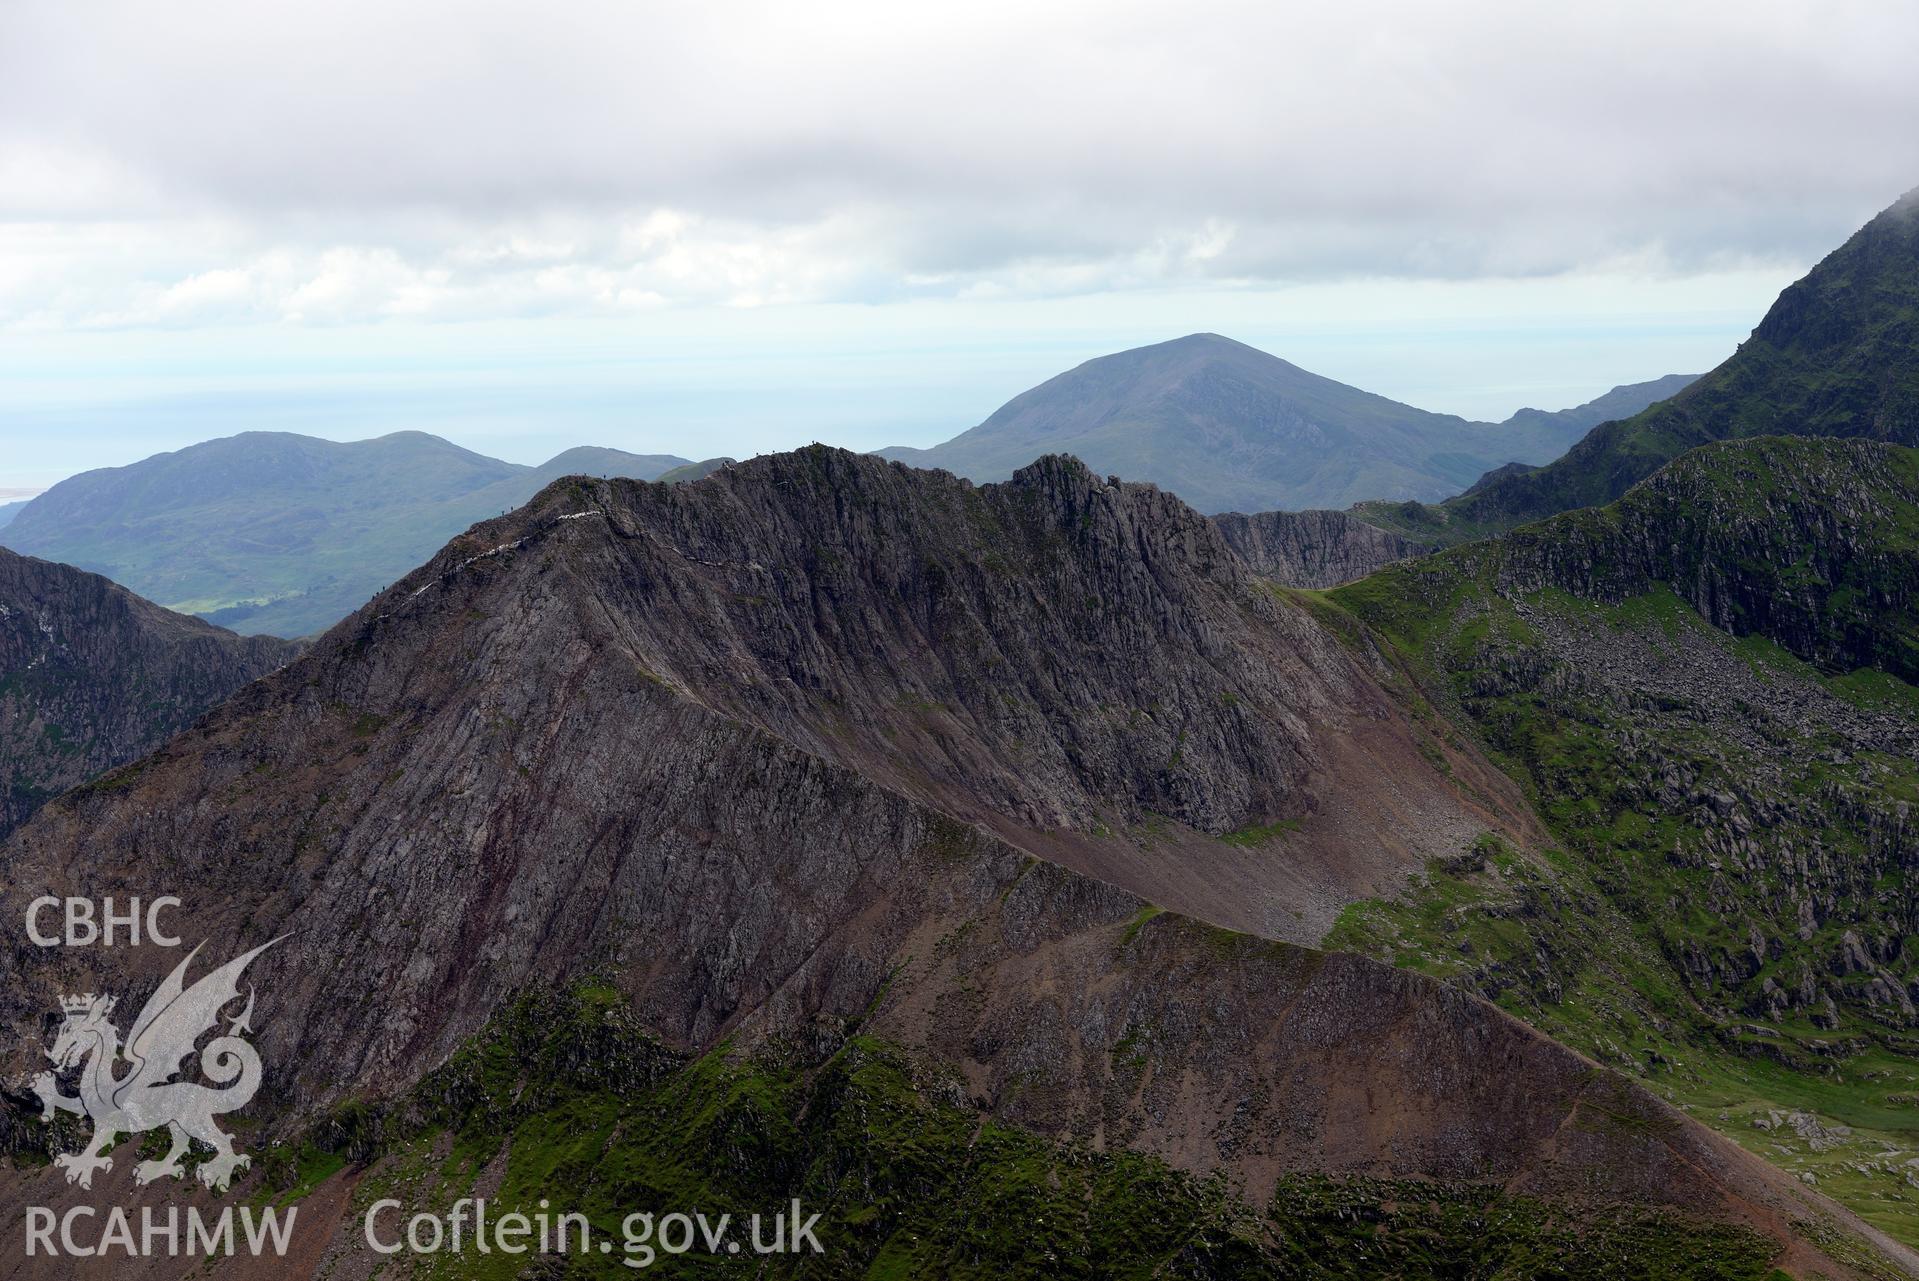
<point x="1230" y="428"/>
<point x="268" y="532"/>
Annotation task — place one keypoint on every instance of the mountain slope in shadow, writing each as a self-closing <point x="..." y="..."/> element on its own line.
<point x="91" y="677"/>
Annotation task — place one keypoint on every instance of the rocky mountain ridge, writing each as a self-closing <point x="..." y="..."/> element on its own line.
<point x="1809" y="543"/>
<point x="512" y="769"/>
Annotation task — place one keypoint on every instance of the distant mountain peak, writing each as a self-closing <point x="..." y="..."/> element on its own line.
<point x="1229" y="427"/>
<point x="1196" y="347"/>
<point x="1204" y="342"/>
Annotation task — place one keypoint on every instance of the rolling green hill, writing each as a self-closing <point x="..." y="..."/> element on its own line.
<point x="693" y="471"/>
<point x="268" y="532"/>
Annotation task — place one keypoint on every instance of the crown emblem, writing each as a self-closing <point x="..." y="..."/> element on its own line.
<point x="86" y="1004"/>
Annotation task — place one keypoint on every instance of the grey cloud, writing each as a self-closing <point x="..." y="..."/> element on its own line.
<point x="891" y="141"/>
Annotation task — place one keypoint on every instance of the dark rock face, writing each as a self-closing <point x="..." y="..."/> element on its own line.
<point x="771" y="749"/>
<point x="1083" y="666"/>
<point x="1809" y="543"/>
<point x="1316" y="549"/>
<point x="1054" y="650"/>
<point x="91" y="676"/>
<point x="812" y="660"/>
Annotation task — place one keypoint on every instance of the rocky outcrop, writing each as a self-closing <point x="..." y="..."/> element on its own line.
<point x="91" y="676"/>
<point x="1709" y="684"/>
<point x="1316" y="549"/>
<point x="1808" y="543"/>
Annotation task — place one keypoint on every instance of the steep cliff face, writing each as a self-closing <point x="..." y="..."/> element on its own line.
<point x="1314" y="549"/>
<point x="91" y="676"/>
<point x="739" y="747"/>
<point x="1083" y="667"/>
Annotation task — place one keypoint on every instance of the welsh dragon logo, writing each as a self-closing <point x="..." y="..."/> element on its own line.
<point x="148" y="1095"/>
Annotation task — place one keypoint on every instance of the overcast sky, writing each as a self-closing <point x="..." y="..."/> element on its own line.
<point x="718" y="227"/>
